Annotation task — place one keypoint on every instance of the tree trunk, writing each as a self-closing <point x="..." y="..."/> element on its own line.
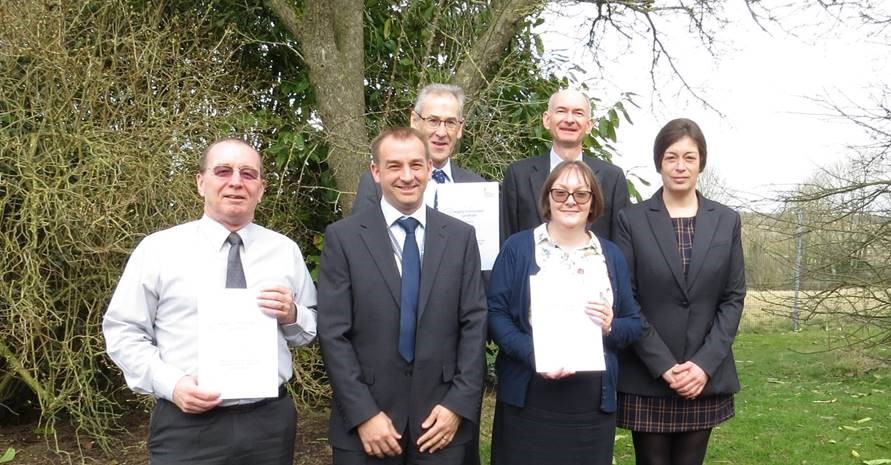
<point x="485" y="53"/>
<point x="331" y="43"/>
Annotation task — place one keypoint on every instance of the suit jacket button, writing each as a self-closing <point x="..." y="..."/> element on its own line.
<point x="685" y="303"/>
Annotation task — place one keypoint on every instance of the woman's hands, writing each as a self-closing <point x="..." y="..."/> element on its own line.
<point x="601" y="314"/>
<point x="687" y="379"/>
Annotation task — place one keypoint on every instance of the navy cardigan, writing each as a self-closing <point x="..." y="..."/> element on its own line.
<point x="509" y="318"/>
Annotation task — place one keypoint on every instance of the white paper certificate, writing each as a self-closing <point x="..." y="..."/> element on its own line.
<point x="475" y="203"/>
<point x="237" y="345"/>
<point x="562" y="334"/>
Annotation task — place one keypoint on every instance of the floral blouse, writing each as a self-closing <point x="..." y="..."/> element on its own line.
<point x="587" y="260"/>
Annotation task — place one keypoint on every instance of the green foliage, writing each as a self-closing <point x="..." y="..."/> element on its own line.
<point x="410" y="45"/>
<point x="104" y="107"/>
<point x="7" y="456"/>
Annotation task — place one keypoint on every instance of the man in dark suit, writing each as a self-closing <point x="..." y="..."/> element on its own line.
<point x="438" y="115"/>
<point x="402" y="320"/>
<point x="568" y="119"/>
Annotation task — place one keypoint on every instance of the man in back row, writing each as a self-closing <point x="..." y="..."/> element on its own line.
<point x="568" y="119"/>
<point x="439" y="116"/>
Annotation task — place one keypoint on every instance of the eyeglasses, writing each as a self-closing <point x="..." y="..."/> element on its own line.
<point x="433" y="122"/>
<point x="225" y="172"/>
<point x="580" y="197"/>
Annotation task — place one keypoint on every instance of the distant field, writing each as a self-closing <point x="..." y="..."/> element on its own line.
<point x="767" y="310"/>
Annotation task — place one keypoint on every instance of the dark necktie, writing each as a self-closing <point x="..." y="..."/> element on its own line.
<point x="411" y="285"/>
<point x="234" y="270"/>
<point x="440" y="177"/>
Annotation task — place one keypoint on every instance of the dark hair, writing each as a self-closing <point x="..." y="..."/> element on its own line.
<point x="398" y="134"/>
<point x="202" y="160"/>
<point x="584" y="171"/>
<point x="674" y="131"/>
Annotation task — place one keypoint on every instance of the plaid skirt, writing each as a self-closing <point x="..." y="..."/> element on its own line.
<point x="672" y="414"/>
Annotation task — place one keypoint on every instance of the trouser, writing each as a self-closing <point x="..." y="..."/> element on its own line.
<point x="253" y="434"/>
<point x="452" y="455"/>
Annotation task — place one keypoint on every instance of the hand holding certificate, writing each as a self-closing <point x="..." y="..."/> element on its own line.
<point x="475" y="203"/>
<point x="237" y="352"/>
<point x="564" y="336"/>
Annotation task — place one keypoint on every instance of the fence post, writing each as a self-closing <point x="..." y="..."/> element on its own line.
<point x="796" y="278"/>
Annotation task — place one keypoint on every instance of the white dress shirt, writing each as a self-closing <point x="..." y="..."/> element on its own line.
<point x="556" y="159"/>
<point x="397" y="234"/>
<point x="430" y="191"/>
<point x="151" y="326"/>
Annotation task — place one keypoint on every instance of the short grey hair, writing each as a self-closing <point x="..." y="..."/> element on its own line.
<point x="439" y="89"/>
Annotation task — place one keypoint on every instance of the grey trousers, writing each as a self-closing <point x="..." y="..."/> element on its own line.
<point x="261" y="434"/>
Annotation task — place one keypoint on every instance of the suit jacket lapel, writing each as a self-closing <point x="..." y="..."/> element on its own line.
<point x="663" y="232"/>
<point x="434" y="249"/>
<point x="458" y="174"/>
<point x="541" y="168"/>
<point x="704" y="232"/>
<point x="594" y="167"/>
<point x="376" y="236"/>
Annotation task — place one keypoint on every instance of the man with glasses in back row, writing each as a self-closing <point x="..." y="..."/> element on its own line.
<point x="439" y="115"/>
<point x="152" y="323"/>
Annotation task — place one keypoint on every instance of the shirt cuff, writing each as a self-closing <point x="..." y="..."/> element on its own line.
<point x="164" y="379"/>
<point x="306" y="322"/>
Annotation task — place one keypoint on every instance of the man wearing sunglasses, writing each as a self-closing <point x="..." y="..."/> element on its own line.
<point x="151" y="326"/>
<point x="568" y="119"/>
<point x="438" y="115"/>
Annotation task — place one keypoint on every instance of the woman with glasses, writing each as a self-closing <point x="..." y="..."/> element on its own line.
<point x="685" y="256"/>
<point x="558" y="416"/>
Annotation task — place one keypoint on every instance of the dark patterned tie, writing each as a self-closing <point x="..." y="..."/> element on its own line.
<point x="440" y="177"/>
<point x="411" y="285"/>
<point x="234" y="270"/>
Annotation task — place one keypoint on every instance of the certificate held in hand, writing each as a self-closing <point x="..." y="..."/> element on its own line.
<point x="563" y="336"/>
<point x="237" y="353"/>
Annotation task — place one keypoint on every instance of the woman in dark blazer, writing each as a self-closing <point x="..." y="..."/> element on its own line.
<point x="558" y="417"/>
<point x="684" y="252"/>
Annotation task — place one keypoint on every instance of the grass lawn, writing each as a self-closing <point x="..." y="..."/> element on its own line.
<point x="800" y="408"/>
<point x="799" y="404"/>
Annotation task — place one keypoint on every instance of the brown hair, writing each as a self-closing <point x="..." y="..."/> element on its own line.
<point x="584" y="171"/>
<point x="674" y="131"/>
<point x="400" y="133"/>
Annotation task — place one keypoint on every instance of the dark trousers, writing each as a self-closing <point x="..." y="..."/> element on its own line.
<point x="261" y="434"/>
<point x="452" y="455"/>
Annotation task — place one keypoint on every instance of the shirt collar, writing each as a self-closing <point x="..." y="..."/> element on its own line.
<point x="556" y="160"/>
<point x="541" y="234"/>
<point x="391" y="214"/>
<point x="447" y="169"/>
<point x="216" y="233"/>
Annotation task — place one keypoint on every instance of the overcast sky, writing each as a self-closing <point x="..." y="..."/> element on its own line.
<point x="773" y="133"/>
